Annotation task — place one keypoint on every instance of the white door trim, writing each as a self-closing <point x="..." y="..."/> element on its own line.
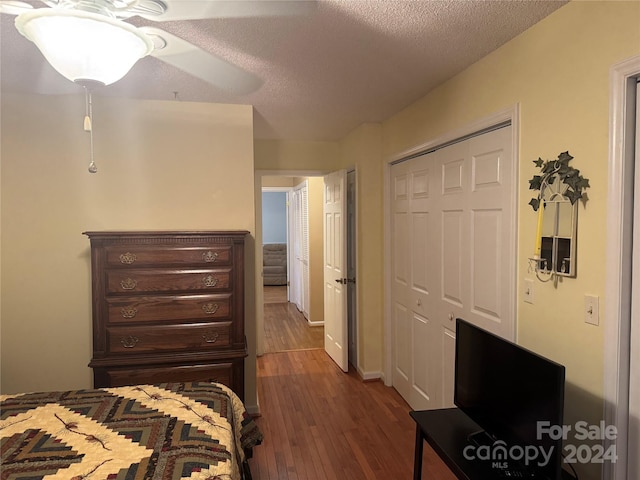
<point x="510" y="114"/>
<point x="618" y="281"/>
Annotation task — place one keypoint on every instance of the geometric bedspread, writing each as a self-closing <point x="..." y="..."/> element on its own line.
<point x="171" y="431"/>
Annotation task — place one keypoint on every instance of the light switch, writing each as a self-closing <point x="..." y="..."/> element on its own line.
<point x="591" y="309"/>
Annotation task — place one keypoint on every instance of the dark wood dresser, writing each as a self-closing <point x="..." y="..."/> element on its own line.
<point x="168" y="307"/>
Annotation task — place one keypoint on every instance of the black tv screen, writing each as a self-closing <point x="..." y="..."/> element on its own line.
<point x="507" y="390"/>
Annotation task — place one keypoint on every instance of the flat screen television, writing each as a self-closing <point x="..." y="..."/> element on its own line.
<point x="507" y="390"/>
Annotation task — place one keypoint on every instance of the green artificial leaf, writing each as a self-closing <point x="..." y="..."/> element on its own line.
<point x="564" y="157"/>
<point x="573" y="196"/>
<point x="563" y="169"/>
<point x="583" y="182"/>
<point x="535" y="183"/>
<point x="573" y="173"/>
<point x="535" y="203"/>
<point x="548" y="167"/>
<point x="572" y="181"/>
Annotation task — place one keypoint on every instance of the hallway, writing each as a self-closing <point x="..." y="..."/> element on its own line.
<point x="285" y="327"/>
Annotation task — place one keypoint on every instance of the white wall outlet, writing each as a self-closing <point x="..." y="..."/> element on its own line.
<point x="527" y="294"/>
<point x="591" y="309"/>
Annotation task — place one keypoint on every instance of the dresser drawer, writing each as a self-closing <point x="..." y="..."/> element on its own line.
<point x="167" y="280"/>
<point x="165" y="255"/>
<point x="218" y="373"/>
<point x="168" y="308"/>
<point x="144" y="339"/>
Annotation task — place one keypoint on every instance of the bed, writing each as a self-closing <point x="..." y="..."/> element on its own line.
<point x="194" y="430"/>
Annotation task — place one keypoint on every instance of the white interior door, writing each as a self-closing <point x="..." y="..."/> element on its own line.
<point x="335" y="268"/>
<point x="453" y="220"/>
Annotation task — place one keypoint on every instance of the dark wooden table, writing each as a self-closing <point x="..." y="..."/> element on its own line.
<point x="447" y="431"/>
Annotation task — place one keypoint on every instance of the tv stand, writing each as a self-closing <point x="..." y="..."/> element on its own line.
<point x="481" y="438"/>
<point x="448" y="431"/>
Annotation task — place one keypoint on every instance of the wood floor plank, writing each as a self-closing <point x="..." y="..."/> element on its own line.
<point x="320" y="423"/>
<point x="285" y="328"/>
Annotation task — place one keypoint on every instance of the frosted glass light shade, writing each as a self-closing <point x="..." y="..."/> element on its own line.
<point x="84" y="46"/>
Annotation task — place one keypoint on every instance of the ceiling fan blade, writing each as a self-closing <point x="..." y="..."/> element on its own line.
<point x="198" y="9"/>
<point x="201" y="64"/>
<point x="14" y="7"/>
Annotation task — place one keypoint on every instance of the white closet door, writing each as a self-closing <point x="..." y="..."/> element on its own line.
<point x="453" y="224"/>
<point x="295" y="246"/>
<point x="304" y="254"/>
<point x="299" y="281"/>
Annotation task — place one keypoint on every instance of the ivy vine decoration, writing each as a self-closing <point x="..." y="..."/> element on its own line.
<point x="558" y="170"/>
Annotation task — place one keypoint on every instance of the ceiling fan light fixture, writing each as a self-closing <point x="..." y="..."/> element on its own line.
<point x="85" y="47"/>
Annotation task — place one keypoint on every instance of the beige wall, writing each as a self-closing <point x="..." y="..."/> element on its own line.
<point x="315" y="195"/>
<point x="162" y="165"/>
<point x="277" y="182"/>
<point x="296" y="156"/>
<point x="316" y="249"/>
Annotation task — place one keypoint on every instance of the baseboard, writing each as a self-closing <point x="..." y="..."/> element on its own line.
<point x="369" y="376"/>
<point x="315" y="324"/>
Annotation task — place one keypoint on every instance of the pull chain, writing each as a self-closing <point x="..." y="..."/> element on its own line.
<point x="88" y="127"/>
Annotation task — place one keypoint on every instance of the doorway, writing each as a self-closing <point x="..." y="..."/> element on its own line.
<point x="271" y="302"/>
<point x="288" y="234"/>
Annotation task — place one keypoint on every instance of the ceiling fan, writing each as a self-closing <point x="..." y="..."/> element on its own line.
<point x="90" y="43"/>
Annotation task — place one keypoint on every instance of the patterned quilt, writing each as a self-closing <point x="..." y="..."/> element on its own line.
<point x="166" y="432"/>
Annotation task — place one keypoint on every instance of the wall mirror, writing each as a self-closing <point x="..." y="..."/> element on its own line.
<point x="559" y="228"/>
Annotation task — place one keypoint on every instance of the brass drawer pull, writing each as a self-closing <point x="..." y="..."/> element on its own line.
<point x="210" y="257"/>
<point x="129" y="312"/>
<point x="210" y="337"/>
<point x="129" y="342"/>
<point x="128" y="284"/>
<point x="210" y="281"/>
<point x="210" y="308"/>
<point x="128" y="258"/>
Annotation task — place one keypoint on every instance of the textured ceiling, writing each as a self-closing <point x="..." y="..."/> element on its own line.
<point x="320" y="74"/>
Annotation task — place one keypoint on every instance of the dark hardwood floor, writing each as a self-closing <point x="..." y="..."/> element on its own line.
<point x="321" y="423"/>
<point x="285" y="328"/>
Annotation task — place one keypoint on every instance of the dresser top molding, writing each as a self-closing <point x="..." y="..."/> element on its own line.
<point x="165" y="233"/>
